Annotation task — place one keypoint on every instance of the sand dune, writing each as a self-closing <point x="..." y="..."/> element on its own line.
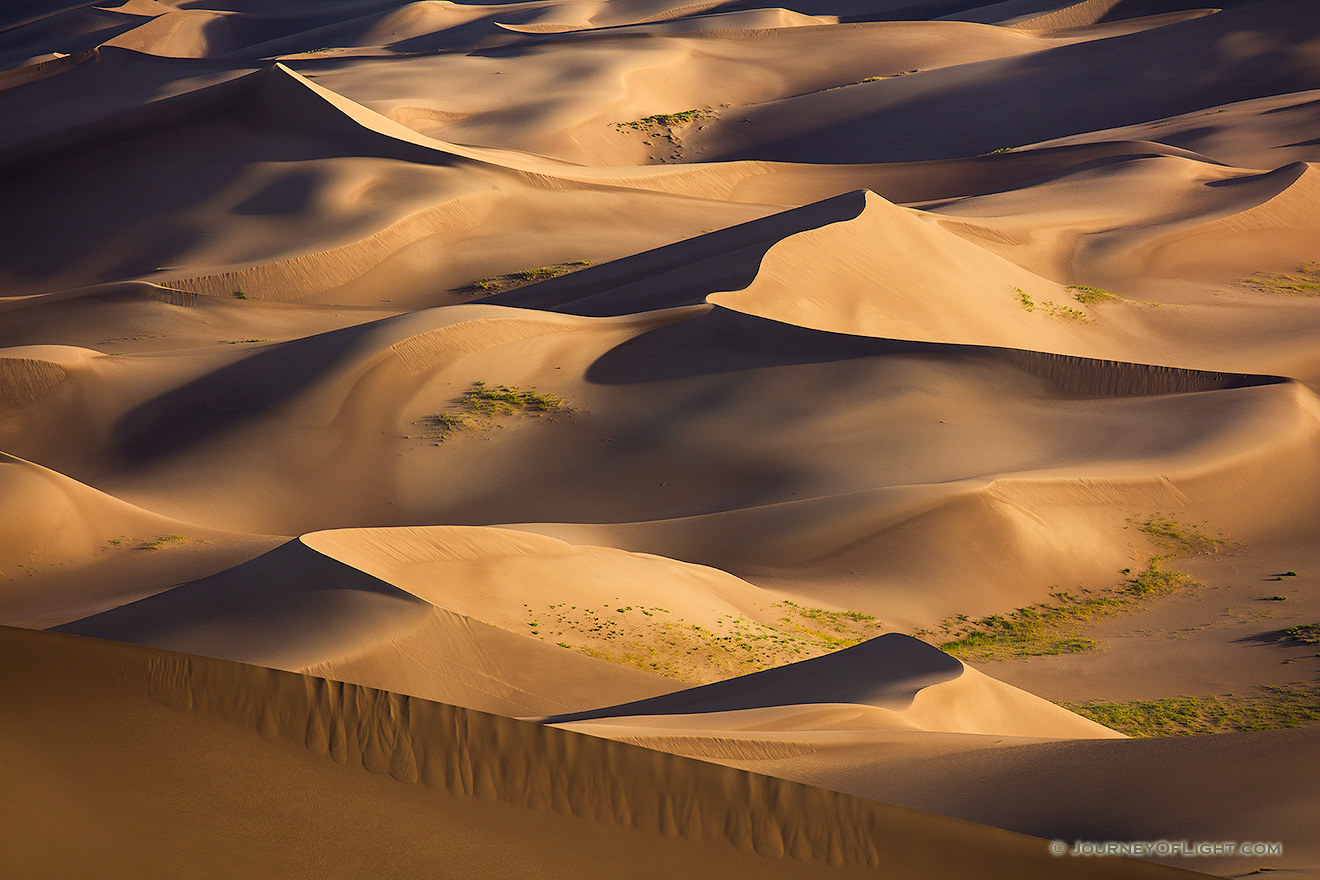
<point x="296" y="609"/>
<point x="910" y="685"/>
<point x="975" y="108"/>
<point x="491" y="792"/>
<point x="680" y="374"/>
<point x="68" y="550"/>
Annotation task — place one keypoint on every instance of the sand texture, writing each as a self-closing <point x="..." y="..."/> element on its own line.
<point x="598" y="438"/>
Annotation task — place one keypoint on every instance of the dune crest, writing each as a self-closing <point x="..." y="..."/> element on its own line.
<point x="658" y="438"/>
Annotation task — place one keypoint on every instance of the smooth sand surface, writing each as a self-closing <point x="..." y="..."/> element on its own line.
<point x="668" y="381"/>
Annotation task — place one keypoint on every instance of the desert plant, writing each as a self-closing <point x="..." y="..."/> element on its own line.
<point x="1304" y="282"/>
<point x="1265" y="708"/>
<point x="161" y="541"/>
<point x="500" y="283"/>
<point x="667" y="120"/>
<point x="1306" y="633"/>
<point x="482" y="403"/>
<point x="1054" y="628"/>
<point x="1092" y="295"/>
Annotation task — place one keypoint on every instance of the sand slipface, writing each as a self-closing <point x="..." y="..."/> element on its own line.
<point x="856" y="438"/>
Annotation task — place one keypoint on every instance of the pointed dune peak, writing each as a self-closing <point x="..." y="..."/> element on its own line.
<point x="287" y="608"/>
<point x="298" y="608"/>
<point x="886" y="672"/>
<point x="894" y="272"/>
<point x="901" y="683"/>
<point x="680" y="274"/>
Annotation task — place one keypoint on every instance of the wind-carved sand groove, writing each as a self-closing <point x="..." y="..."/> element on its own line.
<point x="171" y="297"/>
<point x="1105" y="378"/>
<point x="24" y="381"/>
<point x="529" y="765"/>
<point x="911" y="415"/>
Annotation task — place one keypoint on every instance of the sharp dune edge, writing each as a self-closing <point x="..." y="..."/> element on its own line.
<point x="651" y="438"/>
<point x="469" y="756"/>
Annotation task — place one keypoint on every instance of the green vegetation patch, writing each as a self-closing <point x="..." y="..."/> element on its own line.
<point x="500" y="283"/>
<point x="161" y="541"/>
<point x="652" y="639"/>
<point x="1307" y="633"/>
<point x="481" y="405"/>
<point x="1180" y="539"/>
<point x="668" y="120"/>
<point x="1053" y="309"/>
<point x="1304" y="282"/>
<point x="869" y="79"/>
<point x="1054" y="628"/>
<point x="1092" y="295"/>
<point x="1265" y="708"/>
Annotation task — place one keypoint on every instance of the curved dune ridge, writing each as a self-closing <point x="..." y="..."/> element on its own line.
<point x="911" y="684"/>
<point x="298" y="609"/>
<point x="465" y="760"/>
<point x="557" y="413"/>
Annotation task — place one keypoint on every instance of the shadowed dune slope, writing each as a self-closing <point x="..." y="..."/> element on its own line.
<point x="68" y="550"/>
<point x="989" y="105"/>
<point x="1247" y="786"/>
<point x="144" y="730"/>
<point x="294" y="608"/>
<point x="676" y="372"/>
<point x="891" y="672"/>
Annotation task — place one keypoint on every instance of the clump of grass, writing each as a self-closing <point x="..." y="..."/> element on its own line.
<point x="239" y="294"/>
<point x="1306" y="633"/>
<point x="1053" y="309"/>
<point x="840" y="628"/>
<point x="1054" y="628"/>
<point x="481" y="398"/>
<point x="1092" y="295"/>
<point x="500" y="283"/>
<point x="1304" y="282"/>
<point x="161" y="541"/>
<point x="1266" y="708"/>
<point x="996" y="152"/>
<point x="1180" y="539"/>
<point x="668" y="120"/>
<point x="482" y="403"/>
<point x="869" y="79"/>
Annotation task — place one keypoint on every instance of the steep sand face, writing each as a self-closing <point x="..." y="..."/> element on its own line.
<point x="665" y="375"/>
<point x="430" y="785"/>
